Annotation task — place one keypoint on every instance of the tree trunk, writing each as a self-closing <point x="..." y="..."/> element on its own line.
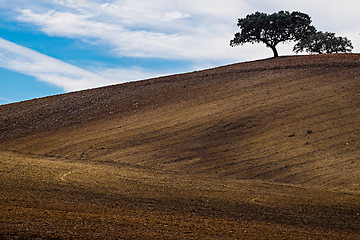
<point x="275" y="51"/>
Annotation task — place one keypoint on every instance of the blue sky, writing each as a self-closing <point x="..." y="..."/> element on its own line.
<point x="54" y="46"/>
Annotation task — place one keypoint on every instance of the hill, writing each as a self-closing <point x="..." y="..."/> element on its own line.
<point x="267" y="149"/>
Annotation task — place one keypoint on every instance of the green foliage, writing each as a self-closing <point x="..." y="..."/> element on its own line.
<point x="272" y="29"/>
<point x="323" y="43"/>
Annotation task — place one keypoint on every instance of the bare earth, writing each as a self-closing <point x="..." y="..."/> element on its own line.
<point x="267" y="149"/>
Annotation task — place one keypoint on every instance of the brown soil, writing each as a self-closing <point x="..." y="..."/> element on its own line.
<point x="259" y="150"/>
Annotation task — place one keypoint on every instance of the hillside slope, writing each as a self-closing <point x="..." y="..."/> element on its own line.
<point x="291" y="120"/>
<point x="266" y="149"/>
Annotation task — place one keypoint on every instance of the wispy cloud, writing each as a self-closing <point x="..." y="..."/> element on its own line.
<point x="177" y="30"/>
<point x="5" y="100"/>
<point x="44" y="68"/>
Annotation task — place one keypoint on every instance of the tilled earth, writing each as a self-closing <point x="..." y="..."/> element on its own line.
<point x="260" y="150"/>
<point x="48" y="199"/>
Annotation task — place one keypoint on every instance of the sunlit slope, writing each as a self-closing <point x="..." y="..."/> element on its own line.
<point x="292" y="120"/>
<point x="50" y="198"/>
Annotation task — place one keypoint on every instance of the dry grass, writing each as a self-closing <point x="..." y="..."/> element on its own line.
<point x="260" y="150"/>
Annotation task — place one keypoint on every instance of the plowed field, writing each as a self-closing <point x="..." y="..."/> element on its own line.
<point x="268" y="149"/>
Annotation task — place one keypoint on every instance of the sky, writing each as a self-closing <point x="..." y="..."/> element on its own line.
<point x="51" y="47"/>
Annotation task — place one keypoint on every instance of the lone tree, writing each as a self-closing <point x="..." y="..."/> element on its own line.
<point x="272" y="29"/>
<point x="323" y="43"/>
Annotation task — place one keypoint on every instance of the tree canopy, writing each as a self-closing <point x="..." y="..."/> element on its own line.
<point x="272" y="29"/>
<point x="323" y="43"/>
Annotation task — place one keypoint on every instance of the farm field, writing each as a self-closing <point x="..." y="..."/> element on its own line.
<point x="267" y="149"/>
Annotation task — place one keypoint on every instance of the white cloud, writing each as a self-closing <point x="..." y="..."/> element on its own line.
<point x="5" y="100"/>
<point x="47" y="69"/>
<point x="67" y="24"/>
<point x="178" y="30"/>
<point x="331" y="15"/>
<point x="175" y="15"/>
<point x="73" y="3"/>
